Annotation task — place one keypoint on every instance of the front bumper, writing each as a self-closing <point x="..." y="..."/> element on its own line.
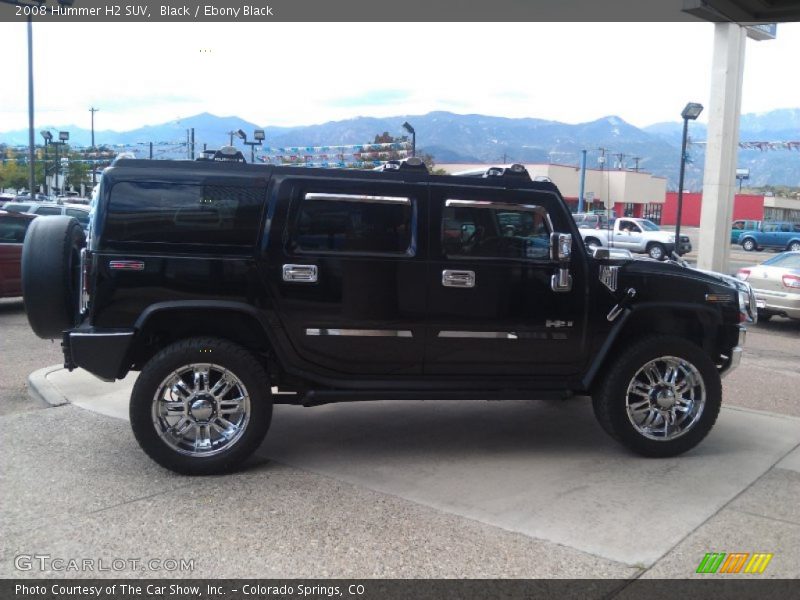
<point x="735" y="358"/>
<point x="104" y="353"/>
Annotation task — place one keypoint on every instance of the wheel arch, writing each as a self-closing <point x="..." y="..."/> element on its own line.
<point x="168" y="322"/>
<point x="699" y="325"/>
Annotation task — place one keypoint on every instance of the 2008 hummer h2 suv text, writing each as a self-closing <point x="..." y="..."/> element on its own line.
<point x="219" y="281"/>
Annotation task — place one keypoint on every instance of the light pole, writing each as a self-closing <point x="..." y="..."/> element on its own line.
<point x="94" y="151"/>
<point x="63" y="137"/>
<point x="689" y="113"/>
<point x="258" y="137"/>
<point x="48" y="137"/>
<point x="407" y="126"/>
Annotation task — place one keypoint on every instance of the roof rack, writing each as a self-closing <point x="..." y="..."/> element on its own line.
<point x="515" y="171"/>
<point x="407" y="164"/>
<point x="224" y="154"/>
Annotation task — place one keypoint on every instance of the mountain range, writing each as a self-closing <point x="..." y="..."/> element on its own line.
<point x="451" y="137"/>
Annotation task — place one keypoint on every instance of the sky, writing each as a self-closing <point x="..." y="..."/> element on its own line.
<point x="290" y="74"/>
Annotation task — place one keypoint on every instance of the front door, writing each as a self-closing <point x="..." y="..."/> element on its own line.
<point x="348" y="273"/>
<point x="628" y="236"/>
<point x="492" y="309"/>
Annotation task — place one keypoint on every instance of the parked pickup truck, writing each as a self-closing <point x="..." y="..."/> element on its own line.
<point x="779" y="235"/>
<point x="636" y="235"/>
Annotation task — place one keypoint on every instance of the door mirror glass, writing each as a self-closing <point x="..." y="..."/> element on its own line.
<point x="561" y="247"/>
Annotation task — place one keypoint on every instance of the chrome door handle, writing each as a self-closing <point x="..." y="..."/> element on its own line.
<point x="459" y="279"/>
<point x="300" y="273"/>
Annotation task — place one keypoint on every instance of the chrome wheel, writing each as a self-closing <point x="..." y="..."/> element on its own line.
<point x="201" y="409"/>
<point x="665" y="398"/>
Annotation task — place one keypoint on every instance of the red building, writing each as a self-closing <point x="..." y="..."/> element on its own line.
<point x="745" y="206"/>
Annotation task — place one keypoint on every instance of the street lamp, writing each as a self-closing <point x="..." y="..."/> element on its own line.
<point x="689" y="113"/>
<point x="48" y="137"/>
<point x="258" y="137"/>
<point x="63" y="137"/>
<point x="413" y="133"/>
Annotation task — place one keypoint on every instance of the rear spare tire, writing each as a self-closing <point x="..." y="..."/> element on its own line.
<point x="51" y="274"/>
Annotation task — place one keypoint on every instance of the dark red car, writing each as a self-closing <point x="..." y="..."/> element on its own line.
<point x="12" y="233"/>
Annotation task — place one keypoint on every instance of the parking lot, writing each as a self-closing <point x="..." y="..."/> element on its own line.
<point x="402" y="489"/>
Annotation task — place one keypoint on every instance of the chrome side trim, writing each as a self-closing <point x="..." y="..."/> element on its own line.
<point x="106" y="334"/>
<point x="489" y="204"/>
<point x="403" y="333"/>
<point x="358" y="198"/>
<point x="498" y="335"/>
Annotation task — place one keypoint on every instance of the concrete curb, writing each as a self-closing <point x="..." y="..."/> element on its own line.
<point x="41" y="390"/>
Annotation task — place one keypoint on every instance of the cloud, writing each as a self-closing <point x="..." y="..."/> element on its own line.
<point x="371" y="98"/>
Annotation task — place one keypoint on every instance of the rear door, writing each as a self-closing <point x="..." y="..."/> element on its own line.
<point x="348" y="273"/>
<point x="492" y="309"/>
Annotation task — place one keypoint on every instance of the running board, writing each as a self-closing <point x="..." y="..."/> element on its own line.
<point x="320" y="397"/>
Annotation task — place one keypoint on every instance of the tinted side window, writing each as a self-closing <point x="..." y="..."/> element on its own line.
<point x="354" y="223"/>
<point x="492" y="230"/>
<point x="11" y="207"/>
<point x="81" y="215"/>
<point x="12" y="231"/>
<point x="48" y="210"/>
<point x="184" y="214"/>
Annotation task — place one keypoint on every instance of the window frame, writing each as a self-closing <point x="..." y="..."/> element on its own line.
<point x="495" y="205"/>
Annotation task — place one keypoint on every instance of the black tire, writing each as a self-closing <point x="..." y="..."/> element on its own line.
<point x="794" y="247"/>
<point x="193" y="353"/>
<point x="749" y="244"/>
<point x="657" y="251"/>
<point x="610" y="400"/>
<point x="763" y="317"/>
<point x="50" y="274"/>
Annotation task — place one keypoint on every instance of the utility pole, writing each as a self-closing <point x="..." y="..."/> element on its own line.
<point x="191" y="156"/>
<point x="151" y="150"/>
<point x="636" y="160"/>
<point x="232" y="133"/>
<point x="31" y="150"/>
<point x="582" y="188"/>
<point x="620" y="158"/>
<point x="94" y="150"/>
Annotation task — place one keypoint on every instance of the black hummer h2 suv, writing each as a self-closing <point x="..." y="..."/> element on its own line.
<point x="221" y="281"/>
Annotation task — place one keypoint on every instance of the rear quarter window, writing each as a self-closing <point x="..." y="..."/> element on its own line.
<point x="176" y="213"/>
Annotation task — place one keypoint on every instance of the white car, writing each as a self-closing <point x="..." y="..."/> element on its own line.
<point x="636" y="235"/>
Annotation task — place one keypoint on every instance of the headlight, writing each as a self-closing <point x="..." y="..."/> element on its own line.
<point x="671" y="239"/>
<point x="747" y="306"/>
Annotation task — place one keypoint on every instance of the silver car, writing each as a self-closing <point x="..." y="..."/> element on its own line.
<point x="776" y="283"/>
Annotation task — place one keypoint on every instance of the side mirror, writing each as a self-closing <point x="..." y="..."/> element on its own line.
<point x="561" y="251"/>
<point x="561" y="247"/>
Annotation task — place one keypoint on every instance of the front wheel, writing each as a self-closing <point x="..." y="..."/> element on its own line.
<point x="749" y="245"/>
<point x="657" y="252"/>
<point x="660" y="398"/>
<point x="201" y="406"/>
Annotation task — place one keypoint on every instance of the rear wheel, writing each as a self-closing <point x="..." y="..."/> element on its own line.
<point x="749" y="245"/>
<point x="201" y="406"/>
<point x="660" y="398"/>
<point x="794" y="246"/>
